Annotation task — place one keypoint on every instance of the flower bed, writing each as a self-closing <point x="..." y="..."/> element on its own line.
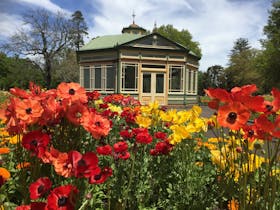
<point x="68" y="149"/>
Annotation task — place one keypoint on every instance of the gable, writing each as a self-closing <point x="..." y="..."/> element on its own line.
<point x="155" y="41"/>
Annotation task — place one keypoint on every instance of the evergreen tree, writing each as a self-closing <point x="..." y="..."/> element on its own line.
<point x="271" y="53"/>
<point x="79" y="29"/>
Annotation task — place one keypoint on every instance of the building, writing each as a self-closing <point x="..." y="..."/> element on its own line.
<point x="149" y="67"/>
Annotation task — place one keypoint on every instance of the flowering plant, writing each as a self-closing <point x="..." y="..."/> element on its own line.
<point x="74" y="150"/>
<point x="246" y="146"/>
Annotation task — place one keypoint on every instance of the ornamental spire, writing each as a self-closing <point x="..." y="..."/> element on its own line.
<point x="133" y="17"/>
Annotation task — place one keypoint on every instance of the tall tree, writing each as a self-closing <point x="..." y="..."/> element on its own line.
<point x="241" y="69"/>
<point x="79" y="29"/>
<point x="271" y="54"/>
<point x="215" y="77"/>
<point x="183" y="37"/>
<point x="45" y="37"/>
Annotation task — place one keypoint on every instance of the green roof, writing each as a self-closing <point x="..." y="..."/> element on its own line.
<point x="110" y="41"/>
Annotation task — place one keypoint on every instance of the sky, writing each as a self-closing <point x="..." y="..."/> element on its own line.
<point x="214" y="24"/>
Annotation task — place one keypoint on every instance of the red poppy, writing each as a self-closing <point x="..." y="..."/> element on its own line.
<point x="264" y="123"/>
<point x="129" y="115"/>
<point x="126" y="134"/>
<point x="76" y="113"/>
<point x="161" y="148"/>
<point x="104" y="150"/>
<point x="19" y="93"/>
<point x="23" y="207"/>
<point x="36" y="142"/>
<point x="62" y="198"/>
<point x="50" y="155"/>
<point x="39" y="188"/>
<point x="101" y="177"/>
<point x="160" y="135"/>
<point x="84" y="165"/>
<point x="28" y="110"/>
<point x="276" y="99"/>
<point x="94" y="95"/>
<point x="120" y="150"/>
<point x="144" y="137"/>
<point x="218" y="93"/>
<point x="233" y="115"/>
<point x="72" y="92"/>
<point x="97" y="125"/>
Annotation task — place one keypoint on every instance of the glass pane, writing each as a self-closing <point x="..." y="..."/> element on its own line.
<point x="86" y="78"/>
<point x="97" y="77"/>
<point x="176" y="79"/>
<point x="146" y="83"/>
<point x="130" y="77"/>
<point x="159" y="83"/>
<point x="111" y="74"/>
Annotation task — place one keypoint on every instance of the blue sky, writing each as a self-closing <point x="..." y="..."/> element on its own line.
<point x="215" y="24"/>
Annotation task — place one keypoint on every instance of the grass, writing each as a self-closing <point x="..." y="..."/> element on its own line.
<point x="4" y="95"/>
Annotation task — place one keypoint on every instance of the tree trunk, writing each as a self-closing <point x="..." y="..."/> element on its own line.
<point x="48" y="77"/>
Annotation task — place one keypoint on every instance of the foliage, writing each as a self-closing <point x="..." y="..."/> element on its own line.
<point x="241" y="68"/>
<point x="182" y="37"/>
<point x="45" y="35"/>
<point x="66" y="69"/>
<point x="17" y="72"/>
<point x="79" y="29"/>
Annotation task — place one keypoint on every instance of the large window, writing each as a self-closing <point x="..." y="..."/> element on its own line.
<point x="129" y="77"/>
<point x="176" y="78"/>
<point x="99" y="77"/>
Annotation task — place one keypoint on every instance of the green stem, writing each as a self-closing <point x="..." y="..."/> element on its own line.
<point x="129" y="181"/>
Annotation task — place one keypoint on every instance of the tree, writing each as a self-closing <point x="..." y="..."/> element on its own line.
<point x="271" y="54"/>
<point x="45" y="37"/>
<point x="67" y="69"/>
<point x="182" y="37"/>
<point x="241" y="68"/>
<point x="79" y="29"/>
<point x="215" y="76"/>
<point x="19" y="72"/>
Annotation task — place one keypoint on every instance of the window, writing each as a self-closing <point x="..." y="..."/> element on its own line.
<point x="192" y="81"/>
<point x="176" y="78"/>
<point x="129" y="77"/>
<point x="99" y="77"/>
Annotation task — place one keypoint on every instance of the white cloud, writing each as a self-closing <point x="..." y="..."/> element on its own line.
<point x="215" y="24"/>
<point x="46" y="4"/>
<point x="6" y="22"/>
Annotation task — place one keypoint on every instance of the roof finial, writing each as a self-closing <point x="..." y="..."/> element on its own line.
<point x="133" y="16"/>
<point x="155" y="27"/>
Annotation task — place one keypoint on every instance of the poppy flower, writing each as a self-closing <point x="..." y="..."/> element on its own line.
<point x="4" y="150"/>
<point x="94" y="95"/>
<point x="97" y="125"/>
<point x="101" y="177"/>
<point x="120" y="150"/>
<point x="104" y="150"/>
<point x="276" y="99"/>
<point x="39" y="188"/>
<point x="71" y="92"/>
<point x="28" y="110"/>
<point x="144" y="138"/>
<point x="4" y="175"/>
<point x="23" y="165"/>
<point x="36" y="142"/>
<point x="84" y="165"/>
<point x="161" y="148"/>
<point x="160" y="135"/>
<point x="76" y="113"/>
<point x="63" y="198"/>
<point x="126" y="134"/>
<point x="62" y="165"/>
<point x="233" y="115"/>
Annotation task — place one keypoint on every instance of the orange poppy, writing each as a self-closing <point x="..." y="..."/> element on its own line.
<point x="72" y="92"/>
<point x="76" y="113"/>
<point x="233" y="115"/>
<point x="4" y="150"/>
<point x="62" y="165"/>
<point x="4" y="173"/>
<point x="233" y="205"/>
<point x="28" y="110"/>
<point x="97" y="125"/>
<point x="23" y="165"/>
